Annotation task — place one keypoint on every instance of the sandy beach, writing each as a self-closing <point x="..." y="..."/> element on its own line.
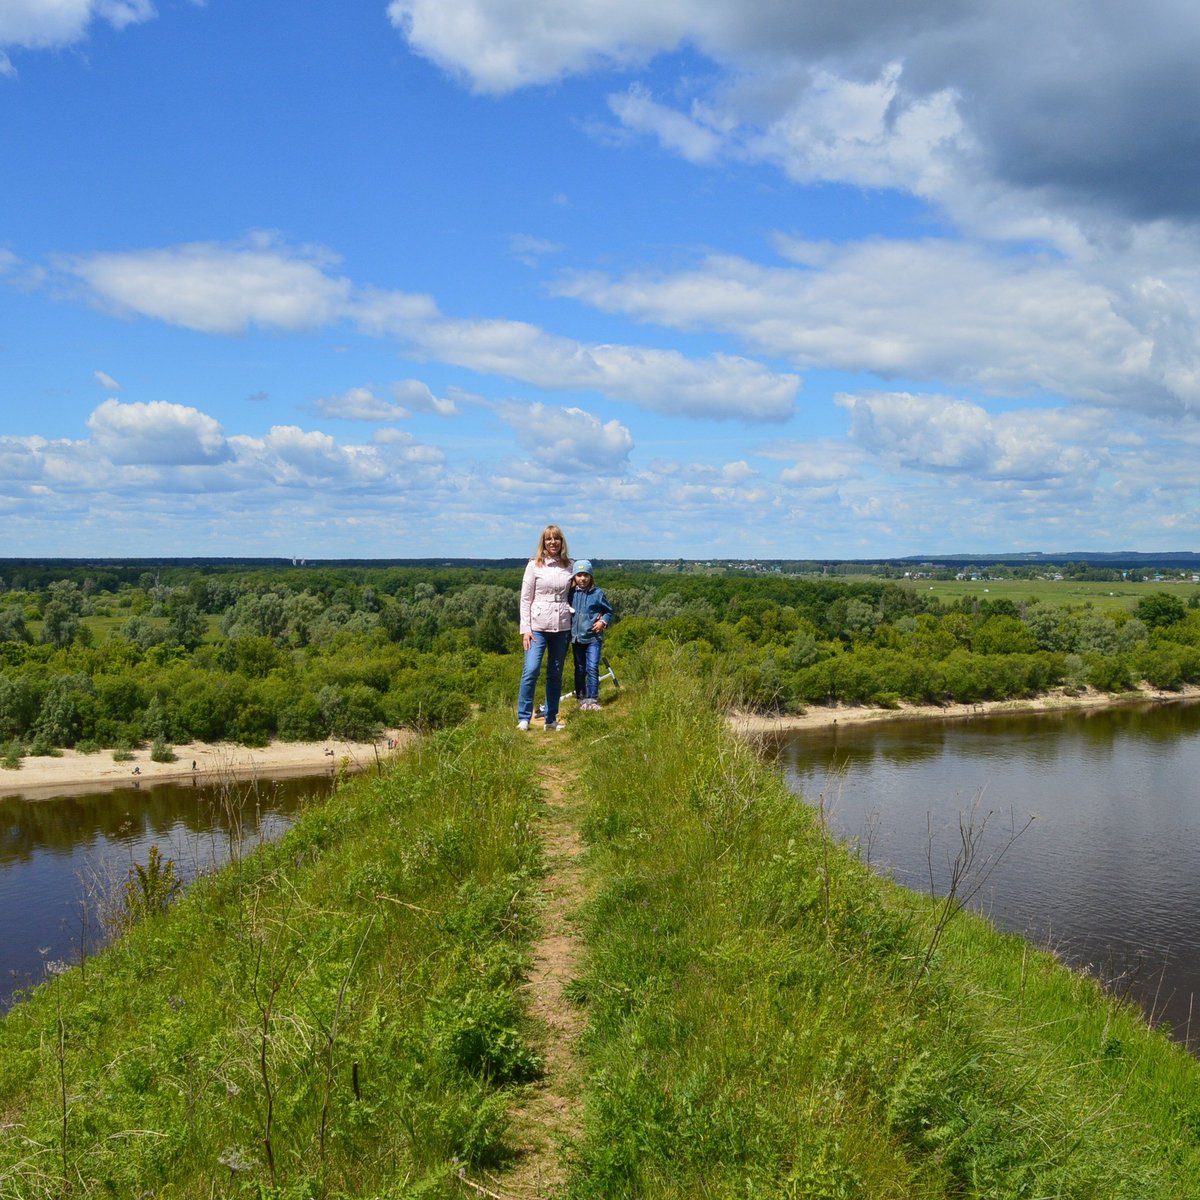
<point x="821" y="717"/>
<point x="44" y="777"/>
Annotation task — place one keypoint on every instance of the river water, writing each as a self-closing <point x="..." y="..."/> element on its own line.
<point x="63" y="860"/>
<point x="1107" y="874"/>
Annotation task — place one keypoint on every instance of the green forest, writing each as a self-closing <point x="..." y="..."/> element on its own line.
<point x="112" y="657"/>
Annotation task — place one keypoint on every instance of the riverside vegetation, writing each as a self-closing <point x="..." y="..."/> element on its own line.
<point x="96" y="657"/>
<point x="344" y="1014"/>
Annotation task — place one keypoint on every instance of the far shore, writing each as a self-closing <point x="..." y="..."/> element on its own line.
<point x="44" y="777"/>
<point x="827" y="716"/>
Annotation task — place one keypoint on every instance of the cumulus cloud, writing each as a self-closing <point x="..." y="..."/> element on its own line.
<point x="157" y="434"/>
<point x="720" y="386"/>
<point x="37" y="24"/>
<point x="21" y="459"/>
<point x="419" y="397"/>
<point x="685" y="134"/>
<point x="941" y="434"/>
<point x="1089" y="105"/>
<point x="218" y="288"/>
<point x="568" y="439"/>
<point x="937" y="309"/>
<point x="360" y="404"/>
<point x="294" y="457"/>
<point x="227" y="288"/>
<point x="498" y="45"/>
<point x="818" y="463"/>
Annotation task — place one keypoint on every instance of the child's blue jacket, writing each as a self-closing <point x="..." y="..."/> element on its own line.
<point x="585" y="608"/>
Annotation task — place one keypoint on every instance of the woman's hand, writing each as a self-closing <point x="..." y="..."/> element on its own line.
<point x="527" y="640"/>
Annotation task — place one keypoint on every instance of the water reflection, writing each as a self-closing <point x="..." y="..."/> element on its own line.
<point x="57" y="854"/>
<point x="1108" y="874"/>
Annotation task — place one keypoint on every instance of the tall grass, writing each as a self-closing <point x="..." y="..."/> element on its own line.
<point x="340" y="1015"/>
<point x="763" y="1021"/>
<point x="334" y="1015"/>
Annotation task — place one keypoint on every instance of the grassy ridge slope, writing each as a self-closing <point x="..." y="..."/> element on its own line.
<point x="341" y="1015"/>
<point x="337" y="1015"/>
<point x="762" y="1025"/>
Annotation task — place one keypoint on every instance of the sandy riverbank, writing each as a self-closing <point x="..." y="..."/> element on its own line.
<point x="43" y="777"/>
<point x="821" y="717"/>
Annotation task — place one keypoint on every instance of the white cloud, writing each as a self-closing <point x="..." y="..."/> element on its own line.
<point x="938" y="309"/>
<point x="105" y="380"/>
<point x="1023" y="120"/>
<point x="531" y="250"/>
<point x="503" y="44"/>
<point x="216" y="288"/>
<point x="21" y="459"/>
<point x="568" y="439"/>
<point x="225" y="289"/>
<point x="685" y="134"/>
<point x="36" y="24"/>
<point x="817" y="463"/>
<point x="391" y="436"/>
<point x="721" y="386"/>
<point x="359" y="404"/>
<point x="866" y="133"/>
<point x="156" y="434"/>
<point x="295" y="457"/>
<point x="940" y="434"/>
<point x="418" y="396"/>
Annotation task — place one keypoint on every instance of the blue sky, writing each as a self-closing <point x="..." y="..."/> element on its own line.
<point x="726" y="279"/>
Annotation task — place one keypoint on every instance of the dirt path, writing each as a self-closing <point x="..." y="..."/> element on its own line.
<point x="549" y="1121"/>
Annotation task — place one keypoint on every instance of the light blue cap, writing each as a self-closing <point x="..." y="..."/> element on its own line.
<point x="583" y="566"/>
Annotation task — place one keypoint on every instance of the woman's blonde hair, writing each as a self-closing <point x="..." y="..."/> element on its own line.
<point x="551" y="531"/>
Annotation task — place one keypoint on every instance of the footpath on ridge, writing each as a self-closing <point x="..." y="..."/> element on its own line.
<point x="549" y="1121"/>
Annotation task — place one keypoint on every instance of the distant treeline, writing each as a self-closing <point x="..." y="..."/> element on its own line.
<point x="112" y="656"/>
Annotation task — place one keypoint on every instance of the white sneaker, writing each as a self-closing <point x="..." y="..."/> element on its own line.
<point x="523" y="726"/>
<point x="553" y="727"/>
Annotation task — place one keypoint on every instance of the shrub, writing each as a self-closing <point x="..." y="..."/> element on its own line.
<point x="428" y="705"/>
<point x="162" y="753"/>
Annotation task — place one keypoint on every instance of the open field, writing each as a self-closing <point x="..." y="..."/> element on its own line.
<point x="1106" y="597"/>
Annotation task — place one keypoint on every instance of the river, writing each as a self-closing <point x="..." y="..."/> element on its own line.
<point x="1107" y="874"/>
<point x="63" y="860"/>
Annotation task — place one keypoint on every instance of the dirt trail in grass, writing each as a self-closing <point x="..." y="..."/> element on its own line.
<point x="550" y="1119"/>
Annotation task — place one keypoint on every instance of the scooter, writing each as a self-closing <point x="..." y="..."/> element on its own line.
<point x="609" y="673"/>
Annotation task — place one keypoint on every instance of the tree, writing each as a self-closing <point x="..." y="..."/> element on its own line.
<point x="13" y="627"/>
<point x="1003" y="635"/>
<point x="1160" y="609"/>
<point x="17" y="707"/>
<point x="138" y="631"/>
<point x="187" y="625"/>
<point x="59" y="624"/>
<point x="1052" y="626"/>
<point x="67" y="710"/>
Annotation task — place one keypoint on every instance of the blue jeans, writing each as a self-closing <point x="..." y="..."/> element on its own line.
<point x="587" y="669"/>
<point x="556" y="644"/>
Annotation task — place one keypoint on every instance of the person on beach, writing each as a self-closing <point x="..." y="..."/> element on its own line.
<point x="545" y="624"/>
<point x="591" y="615"/>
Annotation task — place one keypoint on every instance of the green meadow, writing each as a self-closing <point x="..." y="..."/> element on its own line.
<point x="354" y="1012"/>
<point x="1107" y="597"/>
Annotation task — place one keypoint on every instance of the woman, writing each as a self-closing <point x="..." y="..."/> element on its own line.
<point x="545" y="624"/>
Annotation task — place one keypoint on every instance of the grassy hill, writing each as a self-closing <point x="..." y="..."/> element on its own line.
<point x="363" y="1010"/>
